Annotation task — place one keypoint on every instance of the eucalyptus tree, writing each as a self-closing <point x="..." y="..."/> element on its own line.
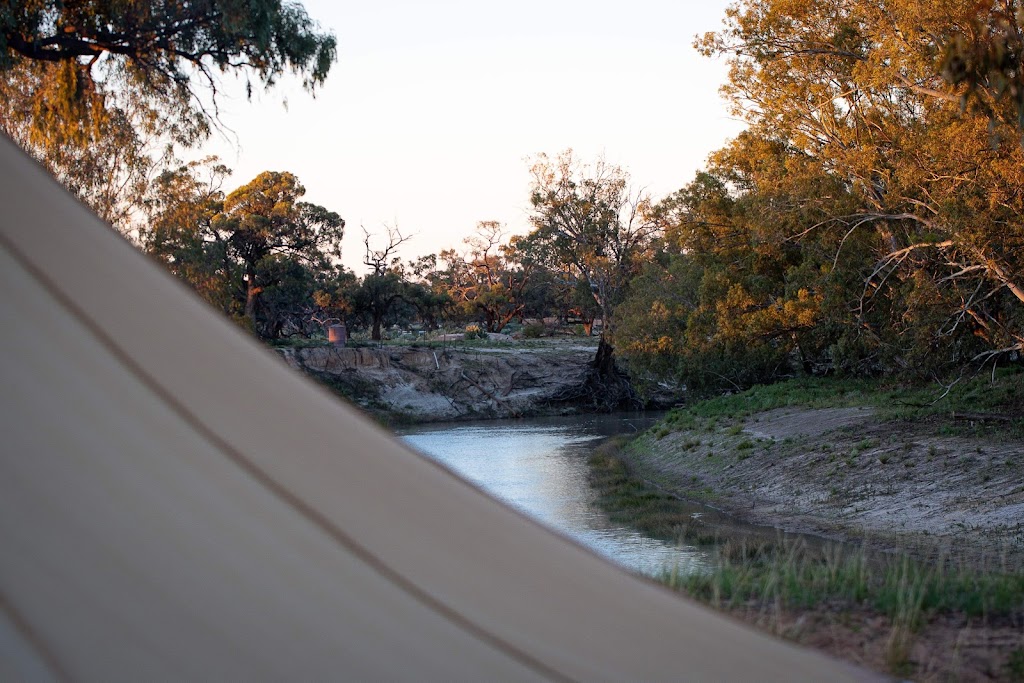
<point x="429" y="291"/>
<point x="596" y="227"/>
<point x="591" y="222"/>
<point x="987" y="57"/>
<point x="265" y="219"/>
<point x="97" y="89"/>
<point x="258" y="253"/>
<point x="490" y="278"/>
<point x="856" y="88"/>
<point x="384" y="287"/>
<point x="162" y="53"/>
<point x="727" y="300"/>
<point x="182" y="205"/>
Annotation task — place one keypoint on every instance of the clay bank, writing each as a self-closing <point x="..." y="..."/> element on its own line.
<point x="425" y="384"/>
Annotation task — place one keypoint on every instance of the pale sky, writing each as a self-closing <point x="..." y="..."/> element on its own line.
<point x="433" y="110"/>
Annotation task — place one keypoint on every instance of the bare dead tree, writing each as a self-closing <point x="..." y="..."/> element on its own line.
<point x="380" y="260"/>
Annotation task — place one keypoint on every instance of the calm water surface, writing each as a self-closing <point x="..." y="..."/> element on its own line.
<point x="539" y="465"/>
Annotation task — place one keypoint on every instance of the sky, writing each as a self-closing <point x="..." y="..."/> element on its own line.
<point x="430" y="117"/>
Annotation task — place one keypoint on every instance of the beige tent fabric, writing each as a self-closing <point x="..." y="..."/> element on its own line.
<point x="177" y="504"/>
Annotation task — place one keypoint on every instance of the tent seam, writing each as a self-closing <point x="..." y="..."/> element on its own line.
<point x="45" y="654"/>
<point x="279" y="490"/>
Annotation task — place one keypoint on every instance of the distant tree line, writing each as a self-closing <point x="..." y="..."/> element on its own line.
<point x="272" y="262"/>
<point x="869" y="220"/>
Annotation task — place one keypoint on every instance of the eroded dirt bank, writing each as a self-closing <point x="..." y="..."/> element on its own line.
<point x="421" y="384"/>
<point x="845" y="473"/>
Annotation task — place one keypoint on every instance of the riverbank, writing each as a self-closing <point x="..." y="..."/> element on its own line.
<point x="857" y="461"/>
<point x="400" y="384"/>
<point x="941" y="493"/>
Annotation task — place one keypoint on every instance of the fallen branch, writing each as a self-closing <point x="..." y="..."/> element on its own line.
<point x="986" y="417"/>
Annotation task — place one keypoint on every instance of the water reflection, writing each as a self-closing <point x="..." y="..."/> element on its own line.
<point x="540" y="467"/>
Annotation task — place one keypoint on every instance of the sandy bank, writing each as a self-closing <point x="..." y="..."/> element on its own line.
<point x="845" y="474"/>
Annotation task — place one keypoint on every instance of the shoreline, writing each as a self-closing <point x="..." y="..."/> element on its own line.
<point x="409" y="384"/>
<point x="941" y="601"/>
<point x="845" y="474"/>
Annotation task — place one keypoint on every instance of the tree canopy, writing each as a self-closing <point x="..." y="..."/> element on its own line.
<point x="156" y="50"/>
<point x="986" y="57"/>
<point x="266" y="219"/>
<point x="867" y="221"/>
<point x="591" y="222"/>
<point x="98" y="89"/>
<point x="257" y="253"/>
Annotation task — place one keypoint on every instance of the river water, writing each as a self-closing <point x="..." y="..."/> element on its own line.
<point x="539" y="466"/>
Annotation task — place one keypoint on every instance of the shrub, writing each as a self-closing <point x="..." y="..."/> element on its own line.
<point x="474" y="331"/>
<point x="533" y="330"/>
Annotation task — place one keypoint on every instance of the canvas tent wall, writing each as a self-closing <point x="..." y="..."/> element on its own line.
<point x="175" y="503"/>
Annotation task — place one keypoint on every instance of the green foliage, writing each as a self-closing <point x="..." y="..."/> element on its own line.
<point x="99" y="91"/>
<point x="490" y="282"/>
<point x="257" y="253"/>
<point x="760" y="575"/>
<point x="986" y="59"/>
<point x="1015" y="665"/>
<point x="533" y="330"/>
<point x="904" y="590"/>
<point x="628" y="500"/>
<point x="375" y="298"/>
<point x="721" y="306"/>
<point x="998" y="394"/>
<point x="273" y="235"/>
<point x="153" y="51"/>
<point x="474" y="332"/>
<point x="430" y="304"/>
<point x="384" y="294"/>
<point x="103" y="153"/>
<point x="589" y="224"/>
<point x="866" y="223"/>
<point x="181" y="208"/>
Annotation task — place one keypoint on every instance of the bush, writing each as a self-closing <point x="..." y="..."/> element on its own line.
<point x="474" y="331"/>
<point x="533" y="330"/>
